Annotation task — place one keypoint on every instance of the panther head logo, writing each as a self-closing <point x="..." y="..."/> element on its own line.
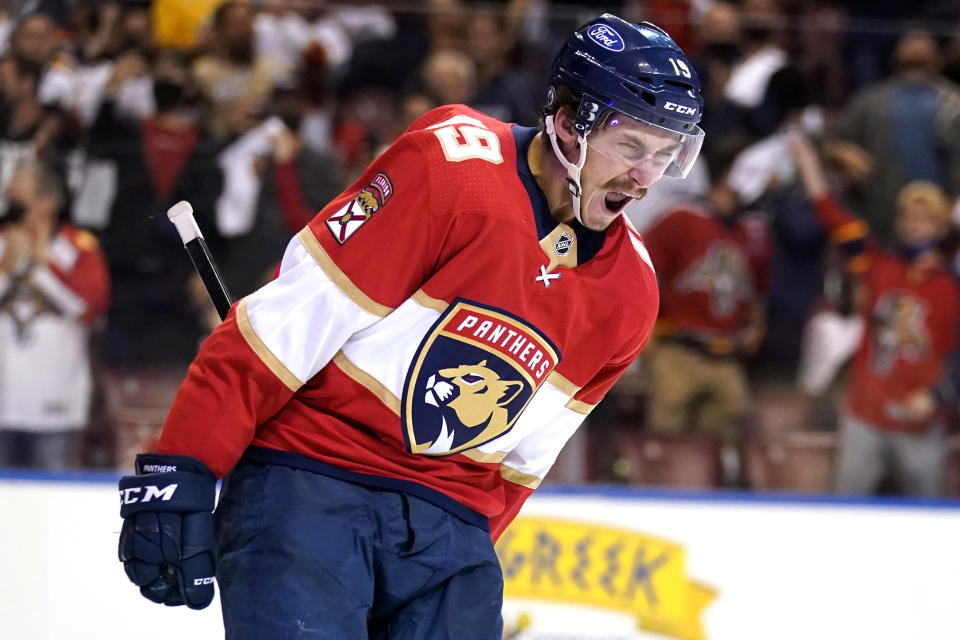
<point x="368" y="202"/>
<point x="477" y="396"/>
<point x="899" y="330"/>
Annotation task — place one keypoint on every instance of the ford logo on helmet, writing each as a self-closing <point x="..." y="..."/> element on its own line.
<point x="606" y="36"/>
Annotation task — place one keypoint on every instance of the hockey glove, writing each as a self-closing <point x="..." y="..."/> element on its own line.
<point x="166" y="543"/>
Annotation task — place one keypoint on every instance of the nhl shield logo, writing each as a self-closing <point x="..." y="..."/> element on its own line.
<point x="471" y="378"/>
<point x="563" y="244"/>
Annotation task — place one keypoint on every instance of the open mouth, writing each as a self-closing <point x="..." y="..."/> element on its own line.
<point x="615" y="201"/>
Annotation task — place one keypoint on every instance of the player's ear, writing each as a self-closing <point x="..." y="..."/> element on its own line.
<point x="563" y="121"/>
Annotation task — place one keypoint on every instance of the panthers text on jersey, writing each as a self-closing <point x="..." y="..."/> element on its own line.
<point x="432" y="329"/>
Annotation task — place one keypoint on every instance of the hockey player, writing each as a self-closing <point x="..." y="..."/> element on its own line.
<point x="382" y="409"/>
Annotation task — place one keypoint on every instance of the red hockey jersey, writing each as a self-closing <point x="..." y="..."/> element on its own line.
<point x="45" y="315"/>
<point x="710" y="273"/>
<point x="911" y="321"/>
<point x="432" y="327"/>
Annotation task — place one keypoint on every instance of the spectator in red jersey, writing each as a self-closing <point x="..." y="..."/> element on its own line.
<point x="53" y="286"/>
<point x="712" y="263"/>
<point x="893" y="421"/>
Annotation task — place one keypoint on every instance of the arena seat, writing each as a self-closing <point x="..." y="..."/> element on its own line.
<point x="951" y="474"/>
<point x="683" y="461"/>
<point x="801" y="461"/>
<point x="775" y="411"/>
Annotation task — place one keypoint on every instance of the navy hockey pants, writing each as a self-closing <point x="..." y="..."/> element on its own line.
<point x="305" y="556"/>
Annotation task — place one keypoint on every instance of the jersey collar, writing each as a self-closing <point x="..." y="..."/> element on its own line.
<point x="551" y="234"/>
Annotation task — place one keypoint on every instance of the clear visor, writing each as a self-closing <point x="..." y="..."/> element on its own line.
<point x="650" y="150"/>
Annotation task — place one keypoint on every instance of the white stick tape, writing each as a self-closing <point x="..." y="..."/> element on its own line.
<point x="181" y="215"/>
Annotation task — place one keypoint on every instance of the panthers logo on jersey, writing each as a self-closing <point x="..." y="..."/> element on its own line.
<point x="351" y="216"/>
<point x="471" y="378"/>
<point x="724" y="275"/>
<point x="899" y="330"/>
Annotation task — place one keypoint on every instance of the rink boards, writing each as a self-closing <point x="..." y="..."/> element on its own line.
<point x="606" y="564"/>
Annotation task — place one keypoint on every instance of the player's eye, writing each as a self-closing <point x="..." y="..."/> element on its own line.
<point x="471" y="378"/>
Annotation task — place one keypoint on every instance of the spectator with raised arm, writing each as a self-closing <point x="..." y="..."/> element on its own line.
<point x="893" y="420"/>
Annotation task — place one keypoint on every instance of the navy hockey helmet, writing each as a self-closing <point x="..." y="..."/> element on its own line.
<point x="636" y="69"/>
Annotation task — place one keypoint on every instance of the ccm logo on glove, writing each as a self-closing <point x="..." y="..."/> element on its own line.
<point x="129" y="496"/>
<point x="167" y="540"/>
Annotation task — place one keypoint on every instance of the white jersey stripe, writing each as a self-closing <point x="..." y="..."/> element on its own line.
<point x="264" y="353"/>
<point x="336" y="275"/>
<point x="638" y="242"/>
<point x="385" y="350"/>
<point x="303" y="301"/>
<point x="540" y="433"/>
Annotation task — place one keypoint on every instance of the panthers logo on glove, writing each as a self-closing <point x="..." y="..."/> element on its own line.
<point x="471" y="379"/>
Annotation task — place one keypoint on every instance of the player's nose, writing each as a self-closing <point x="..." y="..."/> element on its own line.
<point x="642" y="175"/>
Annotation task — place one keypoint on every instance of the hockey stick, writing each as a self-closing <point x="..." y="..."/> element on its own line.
<point x="181" y="215"/>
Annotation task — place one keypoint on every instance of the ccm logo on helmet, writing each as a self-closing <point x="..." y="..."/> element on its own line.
<point x="606" y="37"/>
<point x="679" y="108"/>
<point x="129" y="496"/>
<point x="199" y="582"/>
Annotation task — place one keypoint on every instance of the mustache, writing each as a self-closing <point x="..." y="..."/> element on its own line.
<point x="626" y="188"/>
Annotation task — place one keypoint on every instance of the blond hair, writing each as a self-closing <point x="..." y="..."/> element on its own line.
<point x="929" y="194"/>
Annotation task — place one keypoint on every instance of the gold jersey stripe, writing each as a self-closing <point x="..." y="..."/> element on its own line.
<point x="364" y="379"/>
<point x="487" y="458"/>
<point x="430" y="303"/>
<point x="263" y="351"/>
<point x="580" y="407"/>
<point x="519" y="477"/>
<point x="338" y="277"/>
<point x="562" y="383"/>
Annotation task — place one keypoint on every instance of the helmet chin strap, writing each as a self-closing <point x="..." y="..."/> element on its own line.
<point x="573" y="170"/>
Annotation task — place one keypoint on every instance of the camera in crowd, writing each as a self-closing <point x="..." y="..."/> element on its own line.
<point x="12" y="214"/>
